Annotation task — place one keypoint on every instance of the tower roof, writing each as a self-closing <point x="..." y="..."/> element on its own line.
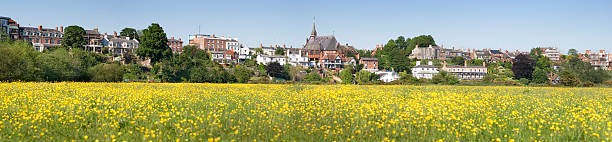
<point x="314" y="30"/>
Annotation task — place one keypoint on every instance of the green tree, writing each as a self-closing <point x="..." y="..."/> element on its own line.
<point x="569" y="78"/>
<point x="312" y="77"/>
<point x="279" y="51"/>
<point x="106" y="72"/>
<point x="572" y="52"/>
<point x="73" y="37"/>
<point x="242" y="74"/>
<point x="539" y="76"/>
<point x="347" y="75"/>
<point x="154" y="44"/>
<point x="59" y="65"/>
<point x="129" y="32"/>
<point x="19" y="62"/>
<point x="365" y="77"/>
<point x="422" y="41"/>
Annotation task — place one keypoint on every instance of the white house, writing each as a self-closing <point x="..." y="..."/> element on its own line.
<point x="119" y="45"/>
<point x="268" y="50"/>
<point x="244" y="53"/>
<point x="296" y="57"/>
<point x="266" y="59"/>
<point x="387" y="76"/>
<point x="232" y="44"/>
<point x="221" y="57"/>
<point x="424" y="71"/>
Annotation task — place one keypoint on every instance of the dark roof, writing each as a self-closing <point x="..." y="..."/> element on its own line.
<point x="369" y="59"/>
<point x="322" y="43"/>
<point x="91" y="32"/>
<point x="496" y="52"/>
<point x="425" y="66"/>
<point x="456" y="66"/>
<point x="36" y="29"/>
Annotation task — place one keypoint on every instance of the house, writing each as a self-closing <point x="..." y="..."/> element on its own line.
<point x="296" y="57"/>
<point x="333" y="62"/>
<point x="119" y="45"/>
<point x="9" y="27"/>
<point x="551" y="52"/>
<point x="213" y="43"/>
<point x="175" y="45"/>
<point x="41" y="38"/>
<point x="369" y="64"/>
<point x="599" y="60"/>
<point x="466" y="72"/>
<point x="222" y="57"/>
<point x="244" y="53"/>
<point x="496" y="55"/>
<point x="387" y="76"/>
<point x="424" y="71"/>
<point x="266" y="59"/>
<point x="268" y="50"/>
<point x="430" y="52"/>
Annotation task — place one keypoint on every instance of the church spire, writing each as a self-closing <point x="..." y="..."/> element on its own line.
<point x="314" y="30"/>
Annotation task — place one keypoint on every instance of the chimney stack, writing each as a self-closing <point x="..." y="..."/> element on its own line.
<point x="180" y="39"/>
<point x="55" y="28"/>
<point x="171" y="37"/>
<point x="588" y="52"/>
<point x="601" y="51"/>
<point x="260" y="45"/>
<point x="115" y="34"/>
<point x="62" y="29"/>
<point x="96" y="29"/>
<point x="40" y="27"/>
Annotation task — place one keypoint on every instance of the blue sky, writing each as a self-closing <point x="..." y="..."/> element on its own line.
<point x="511" y="25"/>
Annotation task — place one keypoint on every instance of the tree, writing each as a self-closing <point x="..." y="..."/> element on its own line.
<point x="539" y="76"/>
<point x="73" y="37"/>
<point x="347" y="75"/>
<point x="106" y="72"/>
<point x="364" y="77"/>
<point x="59" y="65"/>
<point x="242" y="74"/>
<point x="422" y="41"/>
<point x="279" y="51"/>
<point x="523" y="66"/>
<point x="584" y="71"/>
<point x="274" y="69"/>
<point x="19" y="62"/>
<point x="569" y="79"/>
<point x="130" y="32"/>
<point x="313" y="76"/>
<point x="154" y="44"/>
<point x="572" y="52"/>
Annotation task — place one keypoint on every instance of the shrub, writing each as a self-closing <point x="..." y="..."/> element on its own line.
<point x="106" y="73"/>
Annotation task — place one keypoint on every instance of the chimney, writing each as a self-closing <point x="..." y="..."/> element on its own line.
<point x="180" y="39"/>
<point x="55" y="28"/>
<point x="260" y="45"/>
<point x="601" y="51"/>
<point x="418" y="63"/>
<point x="464" y="63"/>
<point x="115" y="34"/>
<point x="171" y="37"/>
<point x="96" y="29"/>
<point x="213" y="35"/>
<point x="61" y="29"/>
<point x="430" y="63"/>
<point x="40" y="27"/>
<point x="588" y="52"/>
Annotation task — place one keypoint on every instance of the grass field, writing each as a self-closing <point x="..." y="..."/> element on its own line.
<point x="227" y="112"/>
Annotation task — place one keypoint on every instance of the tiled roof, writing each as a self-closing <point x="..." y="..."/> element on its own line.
<point x="322" y="43"/>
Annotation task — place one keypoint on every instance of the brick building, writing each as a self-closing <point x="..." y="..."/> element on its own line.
<point x="42" y="38"/>
<point x="175" y="45"/>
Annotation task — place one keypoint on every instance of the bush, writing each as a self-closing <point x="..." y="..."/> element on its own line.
<point x="106" y="73"/>
<point x="524" y="81"/>
<point x="587" y="84"/>
<point x="18" y="61"/>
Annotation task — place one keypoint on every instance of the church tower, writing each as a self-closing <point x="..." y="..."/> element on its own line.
<point x="313" y="34"/>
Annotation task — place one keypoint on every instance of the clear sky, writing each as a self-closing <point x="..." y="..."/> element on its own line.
<point x="510" y="25"/>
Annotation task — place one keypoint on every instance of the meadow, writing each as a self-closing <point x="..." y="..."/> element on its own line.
<point x="254" y="112"/>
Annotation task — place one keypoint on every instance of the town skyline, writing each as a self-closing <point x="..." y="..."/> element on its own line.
<point x="269" y="27"/>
